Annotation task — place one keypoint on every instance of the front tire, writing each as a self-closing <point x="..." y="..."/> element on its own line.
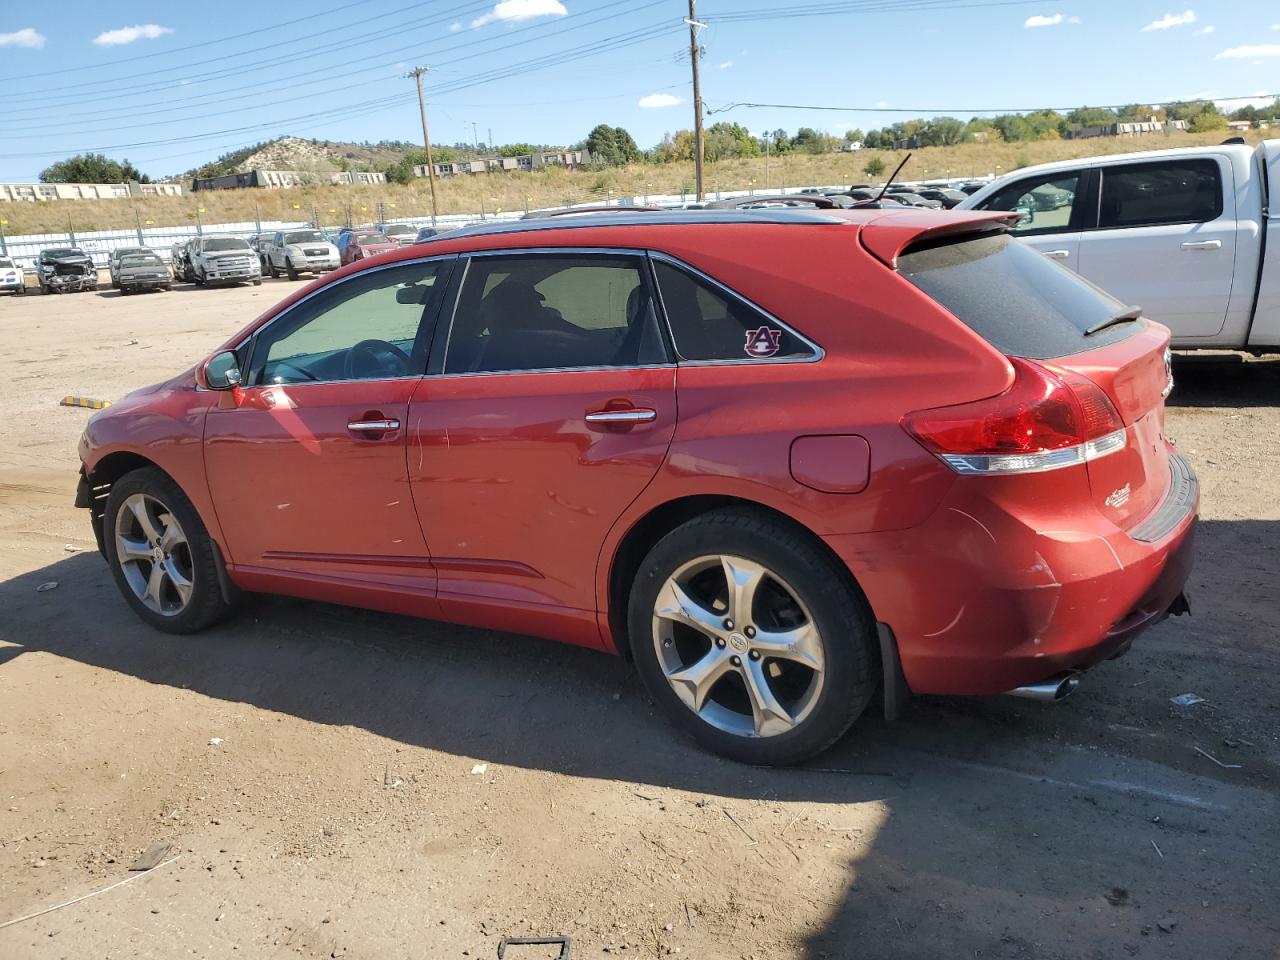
<point x="751" y="638"/>
<point x="289" y="270"/>
<point x="161" y="555"/>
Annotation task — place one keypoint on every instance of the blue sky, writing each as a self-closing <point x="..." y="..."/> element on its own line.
<point x="168" y="86"/>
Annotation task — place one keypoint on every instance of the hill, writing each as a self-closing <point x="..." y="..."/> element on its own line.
<point x="295" y="153"/>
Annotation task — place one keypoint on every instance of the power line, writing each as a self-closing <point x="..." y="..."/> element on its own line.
<point x="937" y="111"/>
<point x="858" y="6"/>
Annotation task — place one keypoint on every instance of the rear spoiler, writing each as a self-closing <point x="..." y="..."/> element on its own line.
<point x="886" y="237"/>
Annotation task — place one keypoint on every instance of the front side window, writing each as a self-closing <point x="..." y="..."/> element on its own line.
<point x="551" y="311"/>
<point x="1168" y="191"/>
<point x="1046" y="202"/>
<point x="708" y="323"/>
<point x="374" y="326"/>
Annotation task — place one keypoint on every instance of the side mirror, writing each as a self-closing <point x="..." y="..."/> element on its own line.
<point x="222" y="372"/>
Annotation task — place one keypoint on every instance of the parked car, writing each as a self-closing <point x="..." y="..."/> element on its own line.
<point x="142" y="271"/>
<point x="356" y="245"/>
<point x="402" y="233"/>
<point x="762" y="201"/>
<point x="295" y="252"/>
<point x="113" y="261"/>
<point x="65" y="270"/>
<point x="11" y="277"/>
<point x="483" y="429"/>
<point x="1185" y="233"/>
<point x="971" y="188"/>
<point x="426" y="233"/>
<point x="217" y="260"/>
<point x="180" y="261"/>
<point x="915" y="200"/>
<point x="944" y="195"/>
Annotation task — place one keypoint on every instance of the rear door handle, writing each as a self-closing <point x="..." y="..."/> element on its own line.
<point x="1057" y="254"/>
<point x="624" y="417"/>
<point x="1202" y="245"/>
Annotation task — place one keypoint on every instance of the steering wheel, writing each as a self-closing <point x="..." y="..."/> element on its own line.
<point x="367" y="358"/>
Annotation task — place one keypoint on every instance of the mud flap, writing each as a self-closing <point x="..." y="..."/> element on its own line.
<point x="895" y="691"/>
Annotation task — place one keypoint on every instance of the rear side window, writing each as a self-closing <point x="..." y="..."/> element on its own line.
<point x="1170" y="191"/>
<point x="1016" y="299"/>
<point x="708" y="323"/>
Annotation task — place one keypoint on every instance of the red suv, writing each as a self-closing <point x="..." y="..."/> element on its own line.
<point x="780" y="458"/>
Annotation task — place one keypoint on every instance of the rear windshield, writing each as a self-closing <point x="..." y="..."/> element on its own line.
<point x="1016" y="299"/>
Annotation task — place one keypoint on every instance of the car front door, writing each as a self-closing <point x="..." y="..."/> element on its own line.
<point x="549" y="409"/>
<point x="1166" y="240"/>
<point x="306" y="461"/>
<point x="1053" y="207"/>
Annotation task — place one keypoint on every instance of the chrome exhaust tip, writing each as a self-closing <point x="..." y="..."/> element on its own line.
<point x="1053" y="689"/>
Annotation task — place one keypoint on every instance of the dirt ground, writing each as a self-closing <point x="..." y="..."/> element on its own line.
<point x="336" y="783"/>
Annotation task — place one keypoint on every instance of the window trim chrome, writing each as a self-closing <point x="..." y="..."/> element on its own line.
<point x="681" y="360"/>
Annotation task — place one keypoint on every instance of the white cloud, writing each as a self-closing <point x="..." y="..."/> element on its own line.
<point x="455" y="27"/>
<point x="123" y="35"/>
<point x="1171" y="20"/>
<point x="1250" y="51"/>
<point x="513" y="11"/>
<point x="1042" y="21"/>
<point x="1205" y="31"/>
<point x="726" y="65"/>
<point x="882" y="103"/>
<point x="26" y="37"/>
<point x="655" y="100"/>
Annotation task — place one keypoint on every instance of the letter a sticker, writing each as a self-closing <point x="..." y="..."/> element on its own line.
<point x="763" y="342"/>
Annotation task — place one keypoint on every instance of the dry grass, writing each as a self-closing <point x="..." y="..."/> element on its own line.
<point x="513" y="191"/>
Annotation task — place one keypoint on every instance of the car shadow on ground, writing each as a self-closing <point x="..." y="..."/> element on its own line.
<point x="982" y="797"/>
<point x="1225" y="380"/>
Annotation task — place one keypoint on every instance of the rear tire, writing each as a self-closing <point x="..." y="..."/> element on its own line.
<point x="179" y="592"/>
<point x="784" y="680"/>
<point x="271" y="268"/>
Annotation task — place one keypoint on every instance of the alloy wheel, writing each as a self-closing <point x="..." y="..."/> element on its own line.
<point x="154" y="554"/>
<point x="738" y="646"/>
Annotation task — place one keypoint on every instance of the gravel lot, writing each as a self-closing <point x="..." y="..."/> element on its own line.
<point x="390" y="788"/>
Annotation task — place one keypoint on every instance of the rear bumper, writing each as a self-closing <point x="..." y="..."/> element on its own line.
<point x="984" y="597"/>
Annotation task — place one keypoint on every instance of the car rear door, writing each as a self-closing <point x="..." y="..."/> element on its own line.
<point x="1054" y="207"/>
<point x="306" y="461"/>
<point x="550" y="407"/>
<point x="1165" y="239"/>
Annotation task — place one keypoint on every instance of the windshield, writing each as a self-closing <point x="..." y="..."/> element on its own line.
<point x="141" y="260"/>
<point x="5" y="263"/>
<point x="130" y="251"/>
<point x="397" y="229"/>
<point x="371" y="239"/>
<point x="63" y="252"/>
<point x="304" y="236"/>
<point x="225" y="243"/>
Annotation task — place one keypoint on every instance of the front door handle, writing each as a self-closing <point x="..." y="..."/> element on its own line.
<point x="1057" y="254"/>
<point x="624" y="417"/>
<point x="1202" y="245"/>
<point x="384" y="425"/>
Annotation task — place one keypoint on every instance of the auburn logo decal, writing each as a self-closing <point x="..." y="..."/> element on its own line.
<point x="763" y="342"/>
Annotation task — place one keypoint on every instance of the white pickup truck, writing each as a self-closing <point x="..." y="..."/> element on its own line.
<point x="1184" y="233"/>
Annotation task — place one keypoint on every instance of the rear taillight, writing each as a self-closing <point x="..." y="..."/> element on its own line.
<point x="1050" y="418"/>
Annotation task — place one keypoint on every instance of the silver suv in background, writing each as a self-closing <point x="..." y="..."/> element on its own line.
<point x="11" y="277"/>
<point x="224" y="260"/>
<point x="303" y="250"/>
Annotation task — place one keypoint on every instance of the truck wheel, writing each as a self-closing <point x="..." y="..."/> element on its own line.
<point x="751" y="638"/>
<point x="257" y="281"/>
<point x="288" y="266"/>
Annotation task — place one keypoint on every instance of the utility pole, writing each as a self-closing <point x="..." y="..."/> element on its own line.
<point x="694" y="26"/>
<point x="417" y="73"/>
<point x="475" y="137"/>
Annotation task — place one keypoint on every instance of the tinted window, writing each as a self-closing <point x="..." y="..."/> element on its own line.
<point x="370" y="327"/>
<point x="1018" y="300"/>
<point x="304" y="236"/>
<point x="1171" y="191"/>
<point x="544" y="311"/>
<point x="225" y="243"/>
<point x="1045" y="202"/>
<point x="709" y="324"/>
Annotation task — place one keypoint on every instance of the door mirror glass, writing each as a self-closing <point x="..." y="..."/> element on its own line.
<point x="222" y="372"/>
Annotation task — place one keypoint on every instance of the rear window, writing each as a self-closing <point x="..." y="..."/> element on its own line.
<point x="1167" y="191"/>
<point x="1016" y="299"/>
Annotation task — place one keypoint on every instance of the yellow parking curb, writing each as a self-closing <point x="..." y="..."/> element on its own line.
<point x="84" y="402"/>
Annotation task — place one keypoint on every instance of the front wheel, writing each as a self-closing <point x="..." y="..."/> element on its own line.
<point x="289" y="269"/>
<point x="161" y="555"/>
<point x="752" y="638"/>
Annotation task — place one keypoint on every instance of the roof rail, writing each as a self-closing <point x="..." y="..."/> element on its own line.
<point x="572" y="211"/>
